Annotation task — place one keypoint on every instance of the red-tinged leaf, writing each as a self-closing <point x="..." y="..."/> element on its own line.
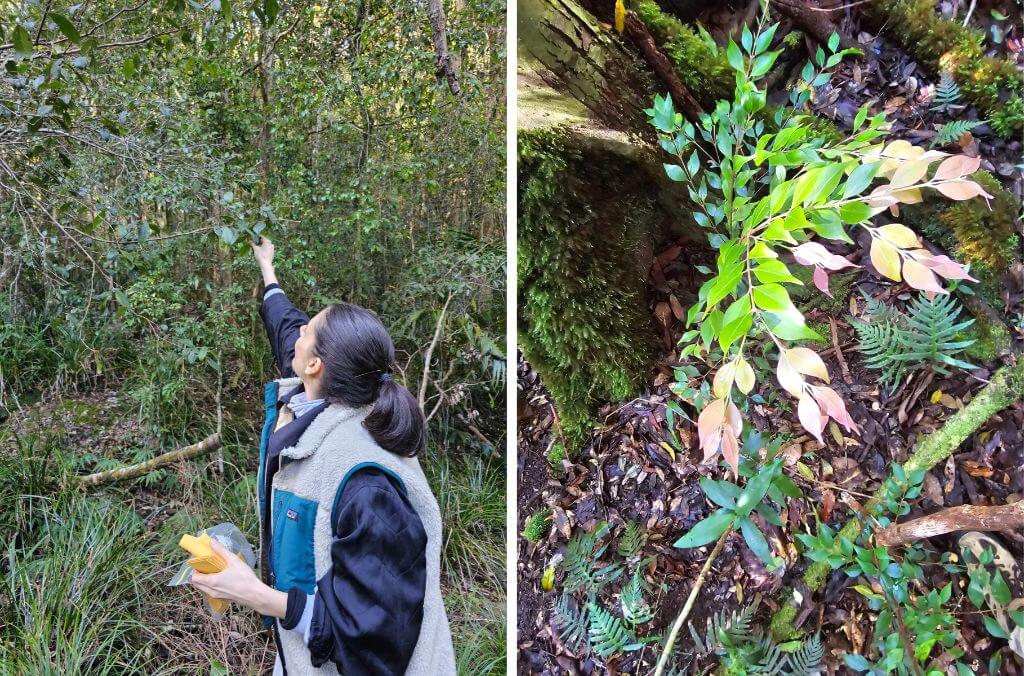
<point x="733" y="419"/>
<point x="961" y="189"/>
<point x="880" y="198"/>
<point x="956" y="166"/>
<point x="885" y="258"/>
<point x="813" y="253"/>
<point x="944" y="266"/>
<point x="920" y="277"/>
<point x="731" y="450"/>
<point x="789" y="377"/>
<point x="834" y="406"/>
<point x="820" y="278"/>
<point x="810" y="417"/>
<point x="713" y="443"/>
<point x="808" y="362"/>
<point x="710" y="420"/>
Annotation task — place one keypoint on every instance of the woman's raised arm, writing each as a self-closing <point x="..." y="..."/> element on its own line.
<point x="281" y="319"/>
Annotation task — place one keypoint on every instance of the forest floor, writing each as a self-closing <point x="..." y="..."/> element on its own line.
<point x="170" y="628"/>
<point x="637" y="467"/>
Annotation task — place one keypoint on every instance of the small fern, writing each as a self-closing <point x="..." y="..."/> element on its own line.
<point x="632" y="540"/>
<point x="947" y="92"/>
<point x="581" y="555"/>
<point x="635" y="610"/>
<point x="723" y="628"/>
<point x="895" y="343"/>
<point x="950" y="133"/>
<point x="572" y="623"/>
<point x="806" y="660"/>
<point x="609" y="634"/>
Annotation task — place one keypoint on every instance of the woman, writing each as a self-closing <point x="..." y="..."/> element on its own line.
<point x="350" y="532"/>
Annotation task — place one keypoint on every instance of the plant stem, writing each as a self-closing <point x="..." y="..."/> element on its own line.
<point x="688" y="606"/>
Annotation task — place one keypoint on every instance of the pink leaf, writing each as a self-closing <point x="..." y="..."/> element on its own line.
<point x="961" y="189"/>
<point x="834" y="406"/>
<point x="810" y="416"/>
<point x="943" y="265"/>
<point x="812" y="253"/>
<point x="821" y="281"/>
<point x="956" y="167"/>
<point x="731" y="450"/>
<point x="920" y="277"/>
<point x="710" y="420"/>
<point x="733" y="419"/>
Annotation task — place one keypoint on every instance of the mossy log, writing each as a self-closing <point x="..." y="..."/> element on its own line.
<point x="207" y="445"/>
<point x="1005" y="388"/>
<point x="962" y="517"/>
<point x="993" y="85"/>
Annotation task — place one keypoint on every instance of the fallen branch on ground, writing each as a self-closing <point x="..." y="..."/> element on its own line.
<point x="964" y="517"/>
<point x="662" y="67"/>
<point x="208" y="444"/>
<point x="1006" y="387"/>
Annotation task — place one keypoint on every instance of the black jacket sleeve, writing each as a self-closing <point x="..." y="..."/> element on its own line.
<point x="368" y="610"/>
<point x="282" y="321"/>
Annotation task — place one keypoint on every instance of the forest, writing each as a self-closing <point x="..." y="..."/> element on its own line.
<point x="143" y="145"/>
<point x="770" y="332"/>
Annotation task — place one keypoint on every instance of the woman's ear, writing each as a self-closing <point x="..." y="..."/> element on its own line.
<point x="314" y="366"/>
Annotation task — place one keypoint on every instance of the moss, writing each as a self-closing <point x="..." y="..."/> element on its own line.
<point x="536" y="526"/>
<point x="704" y="72"/>
<point x="808" y="297"/>
<point x="993" y="85"/>
<point x="555" y="457"/>
<point x="81" y="412"/>
<point x="990" y="338"/>
<point x="582" y="299"/>
<point x="974" y="232"/>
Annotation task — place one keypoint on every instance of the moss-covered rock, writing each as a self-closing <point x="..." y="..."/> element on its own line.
<point x="993" y="85"/>
<point x="582" y="295"/>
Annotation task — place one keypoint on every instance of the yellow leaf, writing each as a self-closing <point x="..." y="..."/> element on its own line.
<point x="668" y="449"/>
<point x="620" y="16"/>
<point x="909" y="173"/>
<point x="936" y="395"/>
<point x="886" y="259"/>
<point x="789" y="377"/>
<point x="745" y="378"/>
<point x="808" y="362"/>
<point x="547" y="581"/>
<point x="723" y="380"/>
<point x="804" y="471"/>
<point x="899" y="235"/>
<point x="909" y="196"/>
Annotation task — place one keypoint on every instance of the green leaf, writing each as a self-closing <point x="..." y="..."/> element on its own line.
<point x="1000" y="591"/>
<point x="755" y="540"/>
<point x="724" y="284"/>
<point x="855" y="212"/>
<point x="22" y="42"/>
<point x="756" y="489"/>
<point x="860" y="178"/>
<point x="735" y="57"/>
<point x="765" y="39"/>
<point x="773" y="270"/>
<point x="790" y="326"/>
<point x="722" y="493"/>
<point x="708" y="530"/>
<point x="763" y="63"/>
<point x="772" y="297"/>
<point x="66" y="27"/>
<point x="734" y="330"/>
<point x="993" y="628"/>
<point x="857" y="662"/>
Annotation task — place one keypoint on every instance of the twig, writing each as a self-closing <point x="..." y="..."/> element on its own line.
<point x="132" y="471"/>
<point x="970" y="11"/>
<point x="430" y="353"/>
<point x="688" y="606"/>
<point x="839" y="352"/>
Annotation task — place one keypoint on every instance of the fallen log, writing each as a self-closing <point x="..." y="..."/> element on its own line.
<point x="210" y="443"/>
<point x="815" y="21"/>
<point x="662" y="67"/>
<point x="963" y="517"/>
<point x="1005" y="387"/>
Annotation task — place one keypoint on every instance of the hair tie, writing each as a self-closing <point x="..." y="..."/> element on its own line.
<point x="385" y="377"/>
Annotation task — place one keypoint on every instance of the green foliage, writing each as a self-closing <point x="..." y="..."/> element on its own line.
<point x="635" y="609"/>
<point x="758" y="193"/>
<point x="988" y="591"/>
<point x="903" y="614"/>
<point x="741" y="649"/>
<point x="766" y="484"/>
<point x="572" y="623"/>
<point x="583" y="321"/>
<point x="608" y="635"/>
<point x="950" y="133"/>
<point x="582" y="570"/>
<point x="947" y="93"/>
<point x="632" y="540"/>
<point x="536" y="526"/>
<point x="700" y="63"/>
<point x="896" y="343"/>
<point x="944" y="45"/>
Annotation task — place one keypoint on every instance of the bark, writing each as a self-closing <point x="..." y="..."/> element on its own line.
<point x="1006" y="387"/>
<point x="445" y="67"/>
<point x="207" y="445"/>
<point x="814" y="21"/>
<point x="964" y="517"/>
<point x="662" y="67"/>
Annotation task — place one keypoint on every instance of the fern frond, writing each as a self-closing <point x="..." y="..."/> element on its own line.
<point x="632" y="540"/>
<point x="806" y="660"/>
<point x="635" y="610"/>
<point x="572" y="624"/>
<point x="580" y="561"/>
<point x="947" y="92"/>
<point x="772" y="660"/>
<point x="609" y="634"/>
<point x="950" y="133"/>
<point x="724" y="628"/>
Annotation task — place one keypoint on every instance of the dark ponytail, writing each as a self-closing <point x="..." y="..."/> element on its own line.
<point x="358" y="355"/>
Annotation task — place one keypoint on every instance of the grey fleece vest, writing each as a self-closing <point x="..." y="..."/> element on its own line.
<point x="304" y="492"/>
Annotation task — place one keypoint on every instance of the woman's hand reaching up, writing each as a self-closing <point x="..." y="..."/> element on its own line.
<point x="264" y="253"/>
<point x="238" y="583"/>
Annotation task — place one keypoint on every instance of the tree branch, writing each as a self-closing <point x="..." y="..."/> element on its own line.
<point x="662" y="67"/>
<point x="443" y="64"/>
<point x="430" y="353"/>
<point x="208" y="444"/>
<point x="964" y="517"/>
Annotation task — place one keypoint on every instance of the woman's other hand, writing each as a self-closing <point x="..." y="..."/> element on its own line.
<point x="238" y="583"/>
